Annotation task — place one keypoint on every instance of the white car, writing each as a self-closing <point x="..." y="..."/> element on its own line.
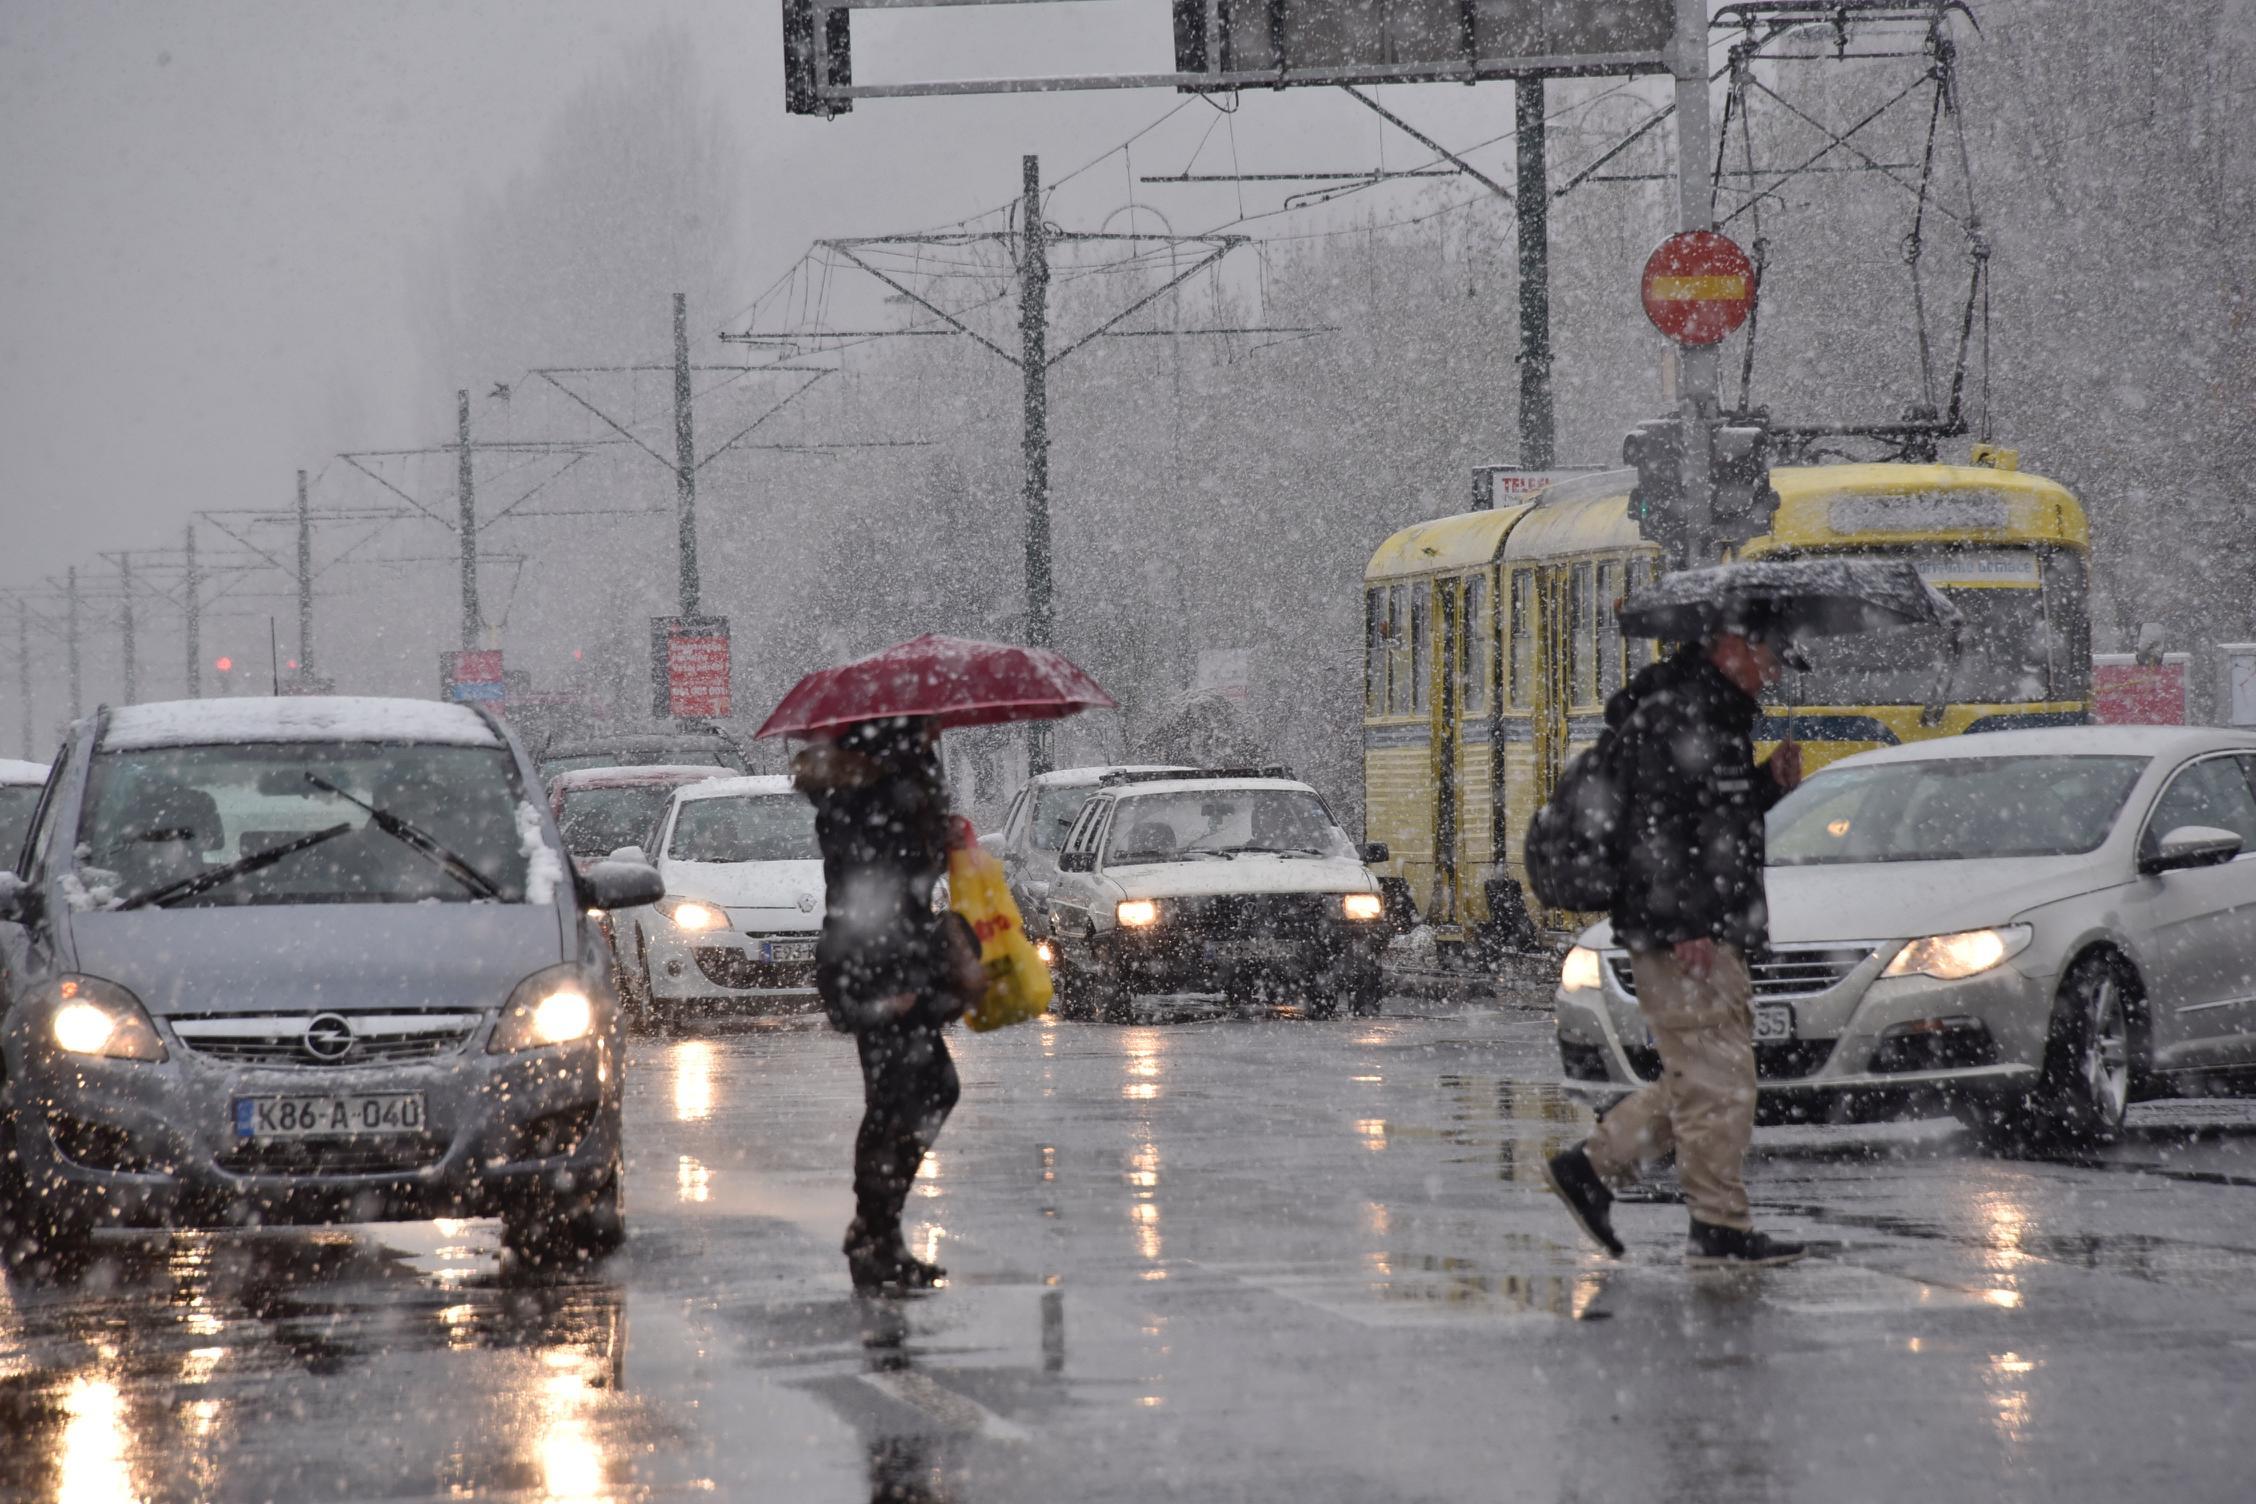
<point x="1035" y="826"/>
<point x="2032" y="927"/>
<point x="1182" y="883"/>
<point x="743" y="904"/>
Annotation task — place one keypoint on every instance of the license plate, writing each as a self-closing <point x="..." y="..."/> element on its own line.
<point x="787" y="950"/>
<point x="1774" y="1023"/>
<point x="326" y="1115"/>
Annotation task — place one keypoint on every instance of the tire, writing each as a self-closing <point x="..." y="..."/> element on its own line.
<point x="1116" y="1005"/>
<point x="2089" y="1062"/>
<point x="36" y="1236"/>
<point x="1070" y="996"/>
<point x="1323" y="1005"/>
<point x="634" y="985"/>
<point x="553" y="1234"/>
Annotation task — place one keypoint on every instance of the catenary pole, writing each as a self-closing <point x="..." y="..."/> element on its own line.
<point x="70" y="634"/>
<point x="472" y="627"/>
<point x="305" y="581"/>
<point x="192" y="590"/>
<point x="685" y="459"/>
<point x="1034" y="362"/>
<point x="1696" y="365"/>
<point x="23" y="671"/>
<point x="1533" y="203"/>
<point x="127" y="651"/>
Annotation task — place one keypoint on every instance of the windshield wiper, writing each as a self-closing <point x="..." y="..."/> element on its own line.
<point x="421" y="842"/>
<point x="204" y="882"/>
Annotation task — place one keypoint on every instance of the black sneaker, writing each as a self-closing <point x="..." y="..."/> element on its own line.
<point x="1713" y="1247"/>
<point x="1588" y="1201"/>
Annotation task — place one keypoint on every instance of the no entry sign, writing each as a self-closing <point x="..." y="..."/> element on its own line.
<point x="1698" y="287"/>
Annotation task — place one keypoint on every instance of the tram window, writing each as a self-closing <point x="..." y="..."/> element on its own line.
<point x="1398" y="650"/>
<point x="1478" y="636"/>
<point x="1581" y="657"/>
<point x="1637" y="652"/>
<point x="1522" y="628"/>
<point x="1419" y="657"/>
<point x="1609" y="636"/>
<point x="1374" y="652"/>
<point x="2069" y="618"/>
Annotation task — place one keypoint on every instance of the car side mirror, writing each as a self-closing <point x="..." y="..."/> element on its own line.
<point x="19" y="900"/>
<point x="1376" y="852"/>
<point x="1077" y="861"/>
<point x="2191" y="846"/>
<point x="633" y="854"/>
<point x="622" y="885"/>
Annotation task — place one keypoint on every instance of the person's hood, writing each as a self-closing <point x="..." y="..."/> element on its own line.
<point x="1253" y="872"/>
<point x="773" y="889"/>
<point x="299" y="958"/>
<point x="1902" y="900"/>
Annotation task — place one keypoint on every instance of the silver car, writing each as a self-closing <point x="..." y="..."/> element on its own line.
<point x="2033" y="927"/>
<point x="307" y="960"/>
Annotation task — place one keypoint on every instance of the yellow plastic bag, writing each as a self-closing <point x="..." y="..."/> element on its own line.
<point x="1018" y="984"/>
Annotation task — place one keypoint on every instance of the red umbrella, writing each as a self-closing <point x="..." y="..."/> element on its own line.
<point x="954" y="681"/>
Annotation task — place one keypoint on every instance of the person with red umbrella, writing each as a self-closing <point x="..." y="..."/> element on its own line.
<point x="891" y="970"/>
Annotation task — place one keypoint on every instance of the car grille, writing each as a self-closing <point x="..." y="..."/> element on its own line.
<point x="735" y="968"/>
<point x="1270" y="915"/>
<point x="273" y="1039"/>
<point x="1788" y="1060"/>
<point x="1780" y="974"/>
<point x="337" y="1156"/>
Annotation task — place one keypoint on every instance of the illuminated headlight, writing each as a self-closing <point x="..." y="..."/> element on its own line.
<point x="93" y="1017"/>
<point x="1363" y="906"/>
<point x="693" y="915"/>
<point x="1045" y="952"/>
<point x="1950" y="958"/>
<point x="1136" y="913"/>
<point x="1579" y="972"/>
<point x="549" y="1007"/>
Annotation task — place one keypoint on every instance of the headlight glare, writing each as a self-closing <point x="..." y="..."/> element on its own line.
<point x="1579" y="972"/>
<point x="1954" y="957"/>
<point x="548" y="1008"/>
<point x="1136" y="913"/>
<point x="94" y="1017"/>
<point x="694" y="915"/>
<point x="1363" y="906"/>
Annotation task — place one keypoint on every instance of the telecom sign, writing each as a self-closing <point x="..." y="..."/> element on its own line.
<point x="473" y="677"/>
<point x="689" y="667"/>
<point x="1698" y="287"/>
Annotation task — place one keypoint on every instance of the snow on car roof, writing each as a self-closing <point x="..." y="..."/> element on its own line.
<point x="16" y="770"/>
<point x="2065" y="741"/>
<point x="633" y="775"/>
<point x="721" y="788"/>
<point x="1073" y="778"/>
<point x="1181" y="785"/>
<point x="308" y="718"/>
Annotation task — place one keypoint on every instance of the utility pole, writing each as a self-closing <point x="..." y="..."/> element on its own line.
<point x="125" y="629"/>
<point x="1034" y="363"/>
<point x="685" y="458"/>
<point x="473" y="627"/>
<point x="305" y="582"/>
<point x="1697" y="366"/>
<point x="70" y="634"/>
<point x="1533" y="202"/>
<point x="192" y="587"/>
<point x="23" y="671"/>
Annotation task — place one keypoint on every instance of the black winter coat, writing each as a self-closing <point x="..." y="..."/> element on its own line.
<point x="884" y="841"/>
<point x="1692" y="856"/>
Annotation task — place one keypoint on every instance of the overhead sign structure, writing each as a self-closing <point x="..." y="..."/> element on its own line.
<point x="473" y="677"/>
<point x="1698" y="287"/>
<point x="689" y="667"/>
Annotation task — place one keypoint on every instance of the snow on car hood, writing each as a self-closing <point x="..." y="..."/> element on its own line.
<point x="310" y="718"/>
<point x="773" y="888"/>
<point x="308" y="958"/>
<point x="1252" y="872"/>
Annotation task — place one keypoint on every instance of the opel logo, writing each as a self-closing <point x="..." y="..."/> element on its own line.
<point x="806" y="903"/>
<point x="328" y="1037"/>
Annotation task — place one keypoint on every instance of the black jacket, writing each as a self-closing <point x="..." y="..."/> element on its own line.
<point x="1692" y="856"/>
<point x="883" y="829"/>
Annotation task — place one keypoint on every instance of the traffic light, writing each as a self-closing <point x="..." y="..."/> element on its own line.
<point x="1655" y="448"/>
<point x="224" y="664"/>
<point x="1739" y="470"/>
<point x="801" y="77"/>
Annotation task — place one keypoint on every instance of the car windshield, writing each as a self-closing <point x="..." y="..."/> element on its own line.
<point x="17" y="802"/>
<point x="1056" y="806"/>
<point x="1186" y="826"/>
<point x="745" y="828"/>
<point x="159" y="817"/>
<point x="598" y="822"/>
<point x="1951" y="809"/>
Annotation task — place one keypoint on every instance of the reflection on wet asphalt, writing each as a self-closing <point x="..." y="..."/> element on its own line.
<point x="1218" y="1258"/>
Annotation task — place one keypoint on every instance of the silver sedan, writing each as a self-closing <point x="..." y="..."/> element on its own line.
<point x="2034" y="928"/>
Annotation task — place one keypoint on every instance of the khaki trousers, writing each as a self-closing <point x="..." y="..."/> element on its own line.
<point x="1704" y="1104"/>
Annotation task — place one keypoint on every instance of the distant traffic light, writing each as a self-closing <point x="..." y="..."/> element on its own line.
<point x="224" y="664"/>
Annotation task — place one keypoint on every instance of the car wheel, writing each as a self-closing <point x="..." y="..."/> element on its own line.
<point x="38" y="1234"/>
<point x="1323" y="1005"/>
<point x="2086" y="1087"/>
<point x="551" y="1232"/>
<point x="1069" y="995"/>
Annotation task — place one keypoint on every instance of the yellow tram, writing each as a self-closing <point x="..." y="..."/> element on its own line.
<point x="1491" y="650"/>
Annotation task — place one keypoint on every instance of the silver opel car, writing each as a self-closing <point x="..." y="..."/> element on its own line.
<point x="2034" y="928"/>
<point x="306" y="960"/>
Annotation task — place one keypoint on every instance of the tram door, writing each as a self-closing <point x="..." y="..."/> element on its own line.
<point x="1554" y="638"/>
<point x="1449" y="649"/>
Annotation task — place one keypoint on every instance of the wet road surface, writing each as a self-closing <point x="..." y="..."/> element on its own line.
<point x="1210" y="1259"/>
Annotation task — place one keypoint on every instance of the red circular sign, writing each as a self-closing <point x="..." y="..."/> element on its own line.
<point x="1698" y="287"/>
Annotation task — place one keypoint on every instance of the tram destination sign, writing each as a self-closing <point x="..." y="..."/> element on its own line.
<point x="1221" y="45"/>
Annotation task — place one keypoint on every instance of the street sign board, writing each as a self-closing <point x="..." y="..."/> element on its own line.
<point x="2126" y="692"/>
<point x="1698" y="287"/>
<point x="689" y="667"/>
<point x="1497" y="486"/>
<point x="473" y="677"/>
<point x="2239" y="664"/>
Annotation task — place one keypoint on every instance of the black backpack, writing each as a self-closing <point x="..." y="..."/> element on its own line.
<point x="1575" y="842"/>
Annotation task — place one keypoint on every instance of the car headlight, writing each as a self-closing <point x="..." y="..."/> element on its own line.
<point x="1136" y="913"/>
<point x="693" y="914"/>
<point x="1579" y="972"/>
<point x="548" y="1007"/>
<point x="1949" y="958"/>
<point x="1363" y="906"/>
<point x="94" y="1017"/>
<point x="1045" y="952"/>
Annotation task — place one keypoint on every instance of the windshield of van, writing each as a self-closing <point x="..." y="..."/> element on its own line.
<point x="1951" y="809"/>
<point x="745" y="828"/>
<point x="1217" y="823"/>
<point x="448" y="826"/>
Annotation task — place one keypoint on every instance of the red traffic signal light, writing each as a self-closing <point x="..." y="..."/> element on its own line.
<point x="224" y="664"/>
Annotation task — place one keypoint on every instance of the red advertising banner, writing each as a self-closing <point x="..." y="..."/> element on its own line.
<point x="689" y="667"/>
<point x="2126" y="692"/>
<point x="476" y="675"/>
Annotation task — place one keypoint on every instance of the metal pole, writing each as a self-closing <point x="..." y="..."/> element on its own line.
<point x="1533" y="201"/>
<point x="125" y="630"/>
<point x="70" y="634"/>
<point x="192" y="595"/>
<point x="1696" y="366"/>
<point x="273" y="657"/>
<point x="305" y="582"/>
<point x="685" y="458"/>
<point x="1034" y="363"/>
<point x="473" y="628"/>
<point x="23" y="673"/>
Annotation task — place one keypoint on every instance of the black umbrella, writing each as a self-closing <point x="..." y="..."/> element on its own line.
<point x="1787" y="598"/>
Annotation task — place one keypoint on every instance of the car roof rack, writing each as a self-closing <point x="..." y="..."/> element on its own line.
<point x="1192" y="775"/>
